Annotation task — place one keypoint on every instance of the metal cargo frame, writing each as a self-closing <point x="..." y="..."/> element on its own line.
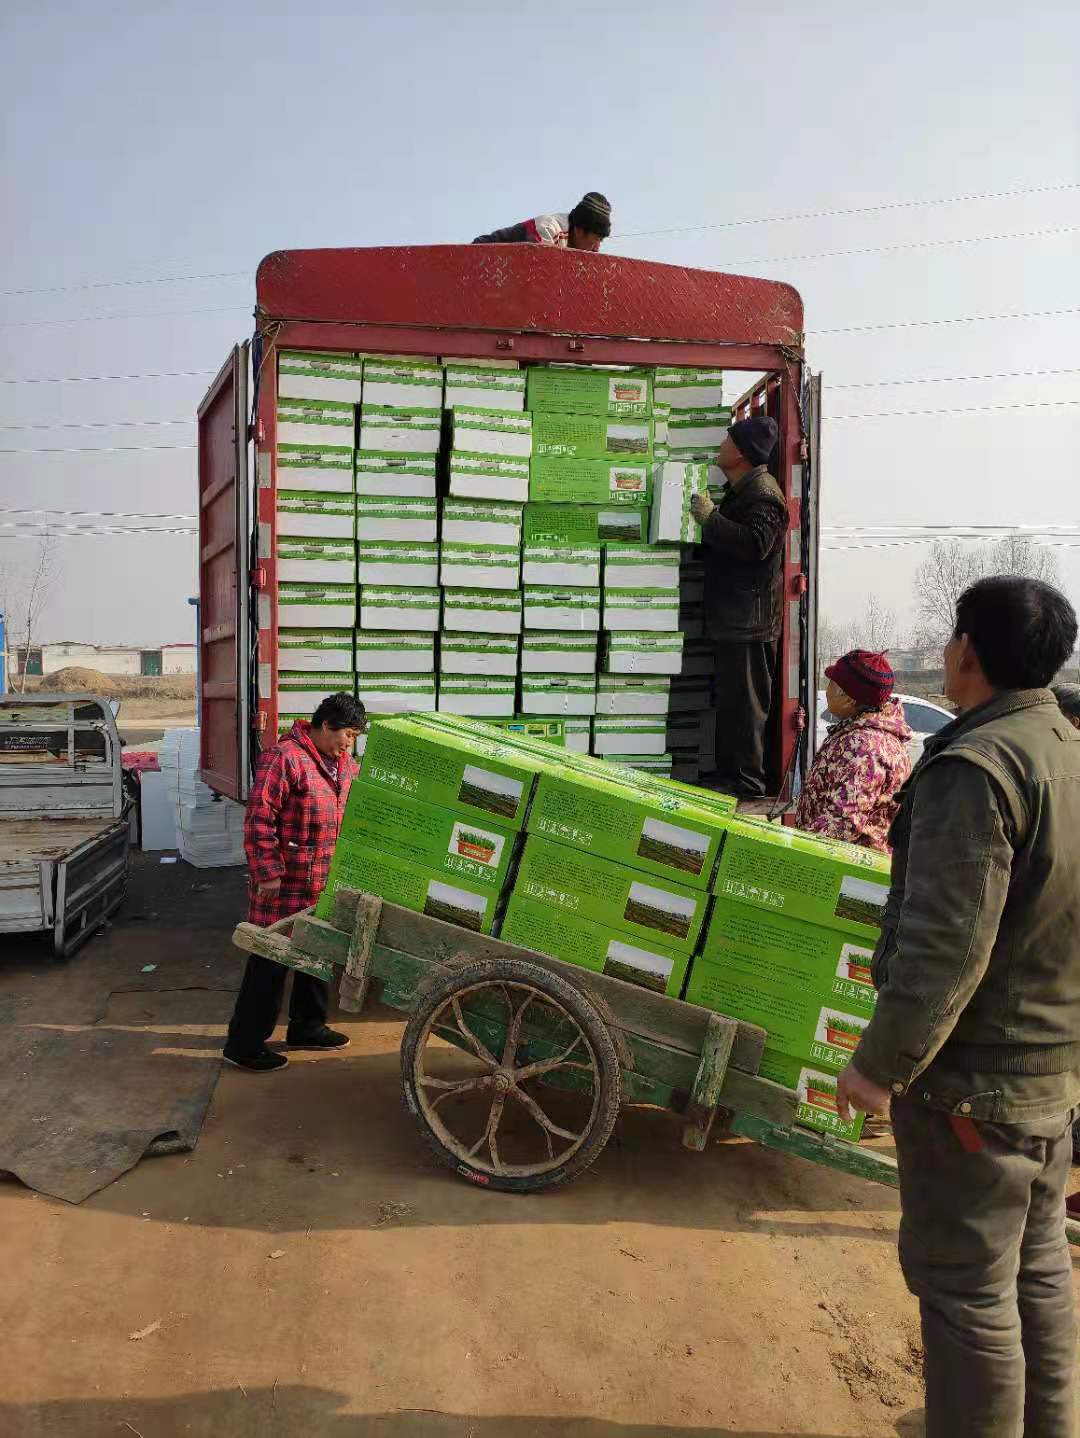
<point x="529" y="303"/>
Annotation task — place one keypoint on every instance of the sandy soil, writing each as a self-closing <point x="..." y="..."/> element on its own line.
<point x="309" y="1270"/>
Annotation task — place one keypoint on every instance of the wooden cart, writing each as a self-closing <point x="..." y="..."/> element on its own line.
<point x="515" y="1064"/>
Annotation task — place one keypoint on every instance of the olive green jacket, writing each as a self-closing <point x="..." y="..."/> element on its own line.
<point x="978" y="966"/>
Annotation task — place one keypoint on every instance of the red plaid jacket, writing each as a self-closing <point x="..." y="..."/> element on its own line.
<point x="292" y="822"/>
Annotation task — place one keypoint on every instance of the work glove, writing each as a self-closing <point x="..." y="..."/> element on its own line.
<point x="701" y="506"/>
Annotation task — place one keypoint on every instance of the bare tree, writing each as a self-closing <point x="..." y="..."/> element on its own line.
<point x="876" y="628"/>
<point x="24" y="590"/>
<point x="951" y="566"/>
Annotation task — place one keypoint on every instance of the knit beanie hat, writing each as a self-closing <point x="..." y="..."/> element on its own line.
<point x="755" y="438"/>
<point x="865" y="676"/>
<point x="593" y="214"/>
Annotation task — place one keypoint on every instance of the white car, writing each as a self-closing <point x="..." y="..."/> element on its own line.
<point x="923" y="717"/>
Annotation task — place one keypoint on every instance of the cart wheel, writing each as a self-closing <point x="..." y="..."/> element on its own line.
<point x="511" y="1074"/>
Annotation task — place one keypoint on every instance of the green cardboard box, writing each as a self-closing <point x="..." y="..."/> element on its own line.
<point x="387" y="606"/>
<point x="816" y="1091"/>
<point x="587" y="524"/>
<point x="493" y="654"/>
<point x="842" y="886"/>
<point x="477" y="695"/>
<point x="489" y="477"/>
<point x="550" y="652"/>
<point x="619" y="694"/>
<point x="579" y="389"/>
<point x="397" y="564"/>
<point x="316" y="649"/>
<point x="684" y="387"/>
<point x="452" y="767"/>
<point x="472" y="566"/>
<point x="610" y="894"/>
<point x="319" y="514"/>
<point x="590" y="436"/>
<point x="386" y="475"/>
<point x="321" y="467"/>
<point x="393" y="651"/>
<point x="320" y="374"/>
<point x="453" y="898"/>
<point x="481" y="522"/>
<point x="697" y="431"/>
<point x="590" y="946"/>
<point x="492" y="432"/>
<point x="589" y="481"/>
<point x="400" y="518"/>
<point x="558" y="694"/>
<point x="319" y="422"/>
<point x="316" y="606"/>
<point x="482" y="611"/>
<point x="553" y="608"/>
<point x="433" y="838"/>
<point x="484" y="387"/>
<point x="396" y="693"/>
<point x="576" y="565"/>
<point x="658" y="764"/>
<point x="674" y="485"/>
<point x="652" y="610"/>
<point x="641" y="566"/>
<point x="415" y="383"/>
<point x="643" y="653"/>
<point x="551" y="731"/>
<point x="384" y="430"/>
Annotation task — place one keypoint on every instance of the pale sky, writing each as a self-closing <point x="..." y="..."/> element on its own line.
<point x="175" y="140"/>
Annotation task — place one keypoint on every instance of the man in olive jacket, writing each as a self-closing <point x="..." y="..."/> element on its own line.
<point x="976" y="1034"/>
<point x="743" y="539"/>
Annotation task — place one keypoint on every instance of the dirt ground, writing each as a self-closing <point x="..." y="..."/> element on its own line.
<point x="310" y="1270"/>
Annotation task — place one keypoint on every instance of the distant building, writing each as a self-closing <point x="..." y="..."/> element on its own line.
<point x="113" y="659"/>
<point x="914" y="661"/>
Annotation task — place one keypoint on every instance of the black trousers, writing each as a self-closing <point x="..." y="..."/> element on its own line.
<point x="742" y="694"/>
<point x="259" y="1002"/>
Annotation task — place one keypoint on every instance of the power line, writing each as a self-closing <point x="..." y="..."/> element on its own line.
<point x="965" y="409"/>
<point x="958" y="320"/>
<point x="95" y="378"/>
<point x="903" y="245"/>
<point x="124" y="284"/>
<point x="99" y="513"/>
<point x="45" y="530"/>
<point x="857" y="210"/>
<point x="144" y="315"/>
<point x="101" y="424"/>
<point x="952" y="378"/>
<point x="94" y="448"/>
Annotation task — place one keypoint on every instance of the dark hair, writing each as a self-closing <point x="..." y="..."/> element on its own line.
<point x="1068" y="698"/>
<point x="592" y="213"/>
<point x="1022" y="630"/>
<point x="340" y="711"/>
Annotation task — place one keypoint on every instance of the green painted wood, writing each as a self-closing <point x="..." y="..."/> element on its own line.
<point x="355" y="979"/>
<point x="708" y="1081"/>
<point x="253" y="940"/>
<point x="821" y="1148"/>
<point x="626" y="1007"/>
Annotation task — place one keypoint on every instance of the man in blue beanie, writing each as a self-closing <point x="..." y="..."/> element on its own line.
<point x="743" y="539"/>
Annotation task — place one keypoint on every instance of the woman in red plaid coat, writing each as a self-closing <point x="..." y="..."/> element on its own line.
<point x="290" y="829"/>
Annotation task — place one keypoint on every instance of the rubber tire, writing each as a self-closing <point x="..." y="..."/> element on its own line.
<point x="579" y="1006"/>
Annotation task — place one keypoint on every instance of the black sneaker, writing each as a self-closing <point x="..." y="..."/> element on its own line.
<point x="323" y="1038"/>
<point x="265" y="1062"/>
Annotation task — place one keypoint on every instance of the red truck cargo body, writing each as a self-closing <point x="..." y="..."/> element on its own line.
<point x="523" y="302"/>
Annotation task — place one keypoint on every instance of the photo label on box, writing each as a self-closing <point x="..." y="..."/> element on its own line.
<point x="637" y="966"/>
<point x="666" y="843"/>
<point x="497" y="793"/>
<point x="479" y="845"/>
<point x="455" y="906"/>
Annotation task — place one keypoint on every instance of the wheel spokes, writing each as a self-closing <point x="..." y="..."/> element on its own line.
<point x="544" y="1066"/>
<point x="490" y="1130"/>
<point x="541" y="1117"/>
<point x="470" y="1038"/>
<point x="513" y="1032"/>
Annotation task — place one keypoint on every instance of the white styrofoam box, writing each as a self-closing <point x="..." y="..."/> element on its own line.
<point x="317" y="606"/>
<point x="699" y="658"/>
<point x="661" y="415"/>
<point x="403" y="384"/>
<point x="632" y="693"/>
<point x="577" y="565"/>
<point x="641" y="566"/>
<point x="320" y="374"/>
<point x="674" y="485"/>
<point x="316" y="467"/>
<point x="630" y="734"/>
<point x="684" y="387"/>
<point x="491" y="432"/>
<point x="390" y="607"/>
<point x="326" y="423"/>
<point x="482" y="696"/>
<point x="171" y="740"/>
<point x="399" y="431"/>
<point x="578" y="733"/>
<point x="316" y="650"/>
<point x="157" y="811"/>
<point x="478" y="476"/>
<point x="302" y="691"/>
<point x="410" y="520"/>
<point x="655" y="610"/>
<point x="491" y="654"/>
<point x="543" y="652"/>
<point x="316" y="514"/>
<point x="383" y="651"/>
<point x="211" y="819"/>
<point x="480" y="522"/>
<point x="698" y="430"/>
<point x="554" y="608"/>
<point x="630" y="653"/>
<point x="467" y="566"/>
<point x="558" y="694"/>
<point x="483" y="387"/>
<point x="396" y="693"/>
<point x="395" y="476"/>
<point x="482" y="611"/>
<point x="315" y="561"/>
<point x="403" y="566"/>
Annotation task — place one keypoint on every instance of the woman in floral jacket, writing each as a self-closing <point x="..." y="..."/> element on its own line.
<point x="850" y="790"/>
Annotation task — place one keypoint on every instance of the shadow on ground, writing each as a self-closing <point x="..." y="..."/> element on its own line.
<point x="285" y="1411"/>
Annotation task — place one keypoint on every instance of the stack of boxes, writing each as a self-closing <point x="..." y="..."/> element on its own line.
<point x="481" y="540"/>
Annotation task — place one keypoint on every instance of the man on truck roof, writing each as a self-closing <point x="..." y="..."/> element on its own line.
<point x="586" y="227"/>
<point x="290" y="829"/>
<point x="975" y="1038"/>
<point x="743" y="539"/>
